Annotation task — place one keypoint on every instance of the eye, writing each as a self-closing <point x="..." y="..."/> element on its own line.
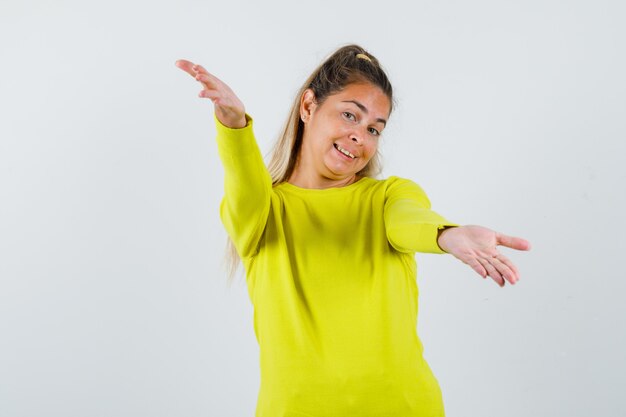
<point x="348" y="115"/>
<point x="374" y="131"/>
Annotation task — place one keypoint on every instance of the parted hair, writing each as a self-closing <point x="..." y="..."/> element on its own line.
<point x="347" y="65"/>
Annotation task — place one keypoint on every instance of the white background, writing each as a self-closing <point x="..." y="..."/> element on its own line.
<point x="511" y="114"/>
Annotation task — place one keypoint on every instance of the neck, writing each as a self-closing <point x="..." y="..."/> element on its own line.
<point x="319" y="182"/>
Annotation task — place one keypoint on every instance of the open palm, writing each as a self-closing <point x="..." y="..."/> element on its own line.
<point x="477" y="247"/>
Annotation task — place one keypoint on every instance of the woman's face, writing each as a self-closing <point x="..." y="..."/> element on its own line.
<point x="341" y="135"/>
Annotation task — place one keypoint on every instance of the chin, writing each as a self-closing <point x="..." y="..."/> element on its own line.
<point x="340" y="171"/>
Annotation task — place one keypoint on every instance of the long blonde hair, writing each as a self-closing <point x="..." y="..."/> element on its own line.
<point x="347" y="65"/>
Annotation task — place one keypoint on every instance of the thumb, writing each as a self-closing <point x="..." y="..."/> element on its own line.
<point x="512" y="242"/>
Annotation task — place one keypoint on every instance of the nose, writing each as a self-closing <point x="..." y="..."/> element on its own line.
<point x="357" y="136"/>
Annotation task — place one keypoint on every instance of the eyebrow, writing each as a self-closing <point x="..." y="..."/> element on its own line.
<point x="364" y="110"/>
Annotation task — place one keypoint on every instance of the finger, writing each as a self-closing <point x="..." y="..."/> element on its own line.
<point x="186" y="66"/>
<point x="200" y="69"/>
<point x="211" y="94"/>
<point x="476" y="266"/>
<point x="504" y="270"/>
<point x="493" y="273"/>
<point x="512" y="242"/>
<point x="208" y="80"/>
<point x="510" y="264"/>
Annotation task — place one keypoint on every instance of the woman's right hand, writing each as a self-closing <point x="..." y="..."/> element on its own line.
<point x="229" y="110"/>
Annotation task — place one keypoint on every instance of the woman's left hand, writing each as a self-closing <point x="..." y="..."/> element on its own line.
<point x="476" y="246"/>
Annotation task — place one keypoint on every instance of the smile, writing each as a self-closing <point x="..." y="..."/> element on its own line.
<point x="344" y="151"/>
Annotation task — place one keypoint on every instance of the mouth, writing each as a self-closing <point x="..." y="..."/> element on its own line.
<point x="344" y="152"/>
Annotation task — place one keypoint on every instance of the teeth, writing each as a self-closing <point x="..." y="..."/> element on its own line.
<point x="344" y="151"/>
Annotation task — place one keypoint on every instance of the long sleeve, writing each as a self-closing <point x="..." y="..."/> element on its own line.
<point x="410" y="224"/>
<point x="247" y="187"/>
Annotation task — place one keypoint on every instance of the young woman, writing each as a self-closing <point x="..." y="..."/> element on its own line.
<point x="329" y="250"/>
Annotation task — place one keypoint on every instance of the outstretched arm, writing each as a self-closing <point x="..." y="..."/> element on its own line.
<point x="247" y="184"/>
<point x="476" y="246"/>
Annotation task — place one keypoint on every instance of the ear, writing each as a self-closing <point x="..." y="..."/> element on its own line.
<point x="307" y="105"/>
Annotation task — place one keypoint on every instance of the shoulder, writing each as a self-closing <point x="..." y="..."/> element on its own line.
<point x="399" y="184"/>
<point x="397" y="188"/>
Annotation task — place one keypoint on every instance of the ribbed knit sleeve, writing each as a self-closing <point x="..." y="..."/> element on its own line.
<point x="247" y="187"/>
<point x="410" y="224"/>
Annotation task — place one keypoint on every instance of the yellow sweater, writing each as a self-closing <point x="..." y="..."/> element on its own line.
<point x="332" y="277"/>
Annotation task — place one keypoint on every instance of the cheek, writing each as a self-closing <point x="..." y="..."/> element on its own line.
<point x="372" y="147"/>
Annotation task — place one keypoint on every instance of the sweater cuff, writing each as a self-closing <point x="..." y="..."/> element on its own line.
<point x="440" y="229"/>
<point x="431" y="233"/>
<point x="235" y="141"/>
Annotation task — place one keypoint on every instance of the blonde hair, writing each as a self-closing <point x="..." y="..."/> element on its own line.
<point x="347" y="65"/>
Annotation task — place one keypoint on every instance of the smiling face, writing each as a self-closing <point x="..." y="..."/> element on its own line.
<point x="340" y="135"/>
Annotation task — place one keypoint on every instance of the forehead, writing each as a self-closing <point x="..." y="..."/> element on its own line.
<point x="369" y="95"/>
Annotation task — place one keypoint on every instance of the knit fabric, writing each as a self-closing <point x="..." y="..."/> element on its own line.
<point x="331" y="274"/>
